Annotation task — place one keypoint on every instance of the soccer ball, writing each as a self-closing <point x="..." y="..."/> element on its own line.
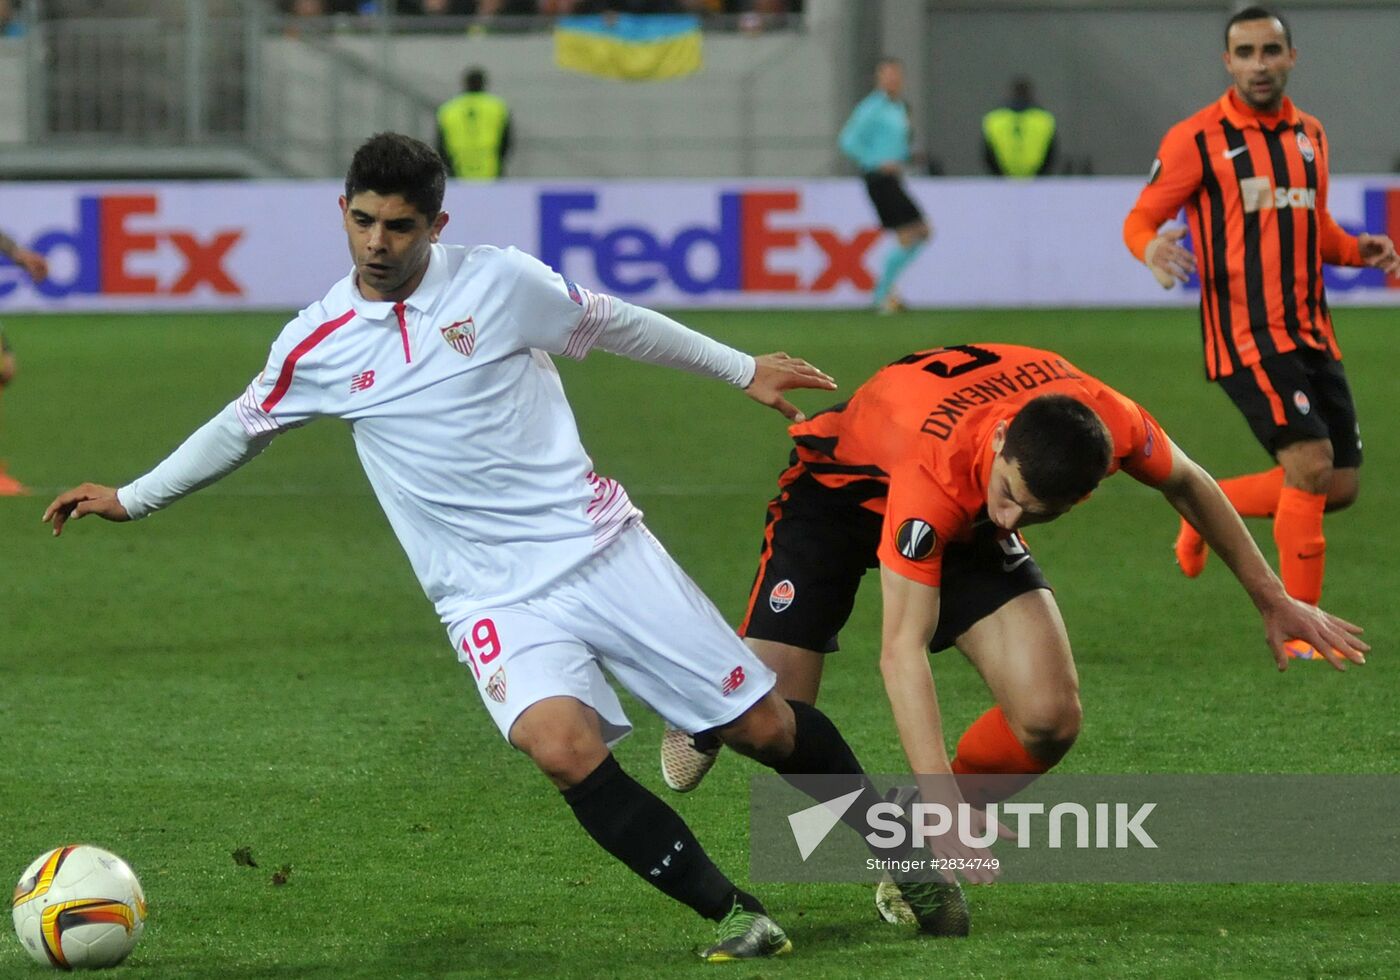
<point x="79" y="907"/>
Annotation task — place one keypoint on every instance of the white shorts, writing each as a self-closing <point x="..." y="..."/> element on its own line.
<point x="629" y="608"/>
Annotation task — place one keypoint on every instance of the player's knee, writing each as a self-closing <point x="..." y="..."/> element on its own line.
<point x="1343" y="492"/>
<point x="1309" y="468"/>
<point x="1048" y="727"/>
<point x="765" y="732"/>
<point x="566" y="758"/>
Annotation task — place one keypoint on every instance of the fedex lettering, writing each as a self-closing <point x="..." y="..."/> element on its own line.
<point x="107" y="236"/>
<point x="632" y="259"/>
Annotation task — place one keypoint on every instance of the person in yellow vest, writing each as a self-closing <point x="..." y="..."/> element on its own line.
<point x="474" y="130"/>
<point x="1018" y="138"/>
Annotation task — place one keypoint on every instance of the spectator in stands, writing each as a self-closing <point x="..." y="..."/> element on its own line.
<point x="1018" y="139"/>
<point x="447" y="8"/>
<point x="758" y="16"/>
<point x="474" y="130"/>
<point x="11" y="23"/>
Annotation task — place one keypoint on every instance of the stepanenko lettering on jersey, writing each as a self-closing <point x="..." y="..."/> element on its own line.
<point x="1026" y="376"/>
<point x="459" y="419"/>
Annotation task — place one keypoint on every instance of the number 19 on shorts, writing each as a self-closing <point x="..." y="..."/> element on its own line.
<point x="481" y="645"/>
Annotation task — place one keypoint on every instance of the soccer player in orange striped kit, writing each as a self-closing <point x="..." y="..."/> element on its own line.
<point x="1252" y="171"/>
<point x="928" y="472"/>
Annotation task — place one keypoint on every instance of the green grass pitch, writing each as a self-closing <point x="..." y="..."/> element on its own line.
<point x="258" y="668"/>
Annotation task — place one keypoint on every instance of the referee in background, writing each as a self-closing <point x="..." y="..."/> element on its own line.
<point x="876" y="137"/>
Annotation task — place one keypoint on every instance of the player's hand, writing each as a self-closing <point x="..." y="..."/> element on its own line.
<point x="90" y="498"/>
<point x="33" y="263"/>
<point x="891" y="167"/>
<point x="1168" y="261"/>
<point x="1335" y="638"/>
<point x="776" y="373"/>
<point x="1378" y="251"/>
<point x="957" y="858"/>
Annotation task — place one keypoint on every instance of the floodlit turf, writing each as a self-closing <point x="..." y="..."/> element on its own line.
<point x="257" y="668"/>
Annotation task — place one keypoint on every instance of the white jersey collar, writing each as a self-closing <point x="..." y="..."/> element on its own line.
<point x="422" y="299"/>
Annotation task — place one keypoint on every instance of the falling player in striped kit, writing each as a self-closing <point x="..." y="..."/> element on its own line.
<point x="1252" y="171"/>
<point x="438" y="357"/>
<point x="927" y="472"/>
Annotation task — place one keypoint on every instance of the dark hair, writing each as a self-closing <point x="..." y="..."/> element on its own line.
<point x="1062" y="447"/>
<point x="392" y="163"/>
<point x="1258" y="13"/>
<point x="474" y="80"/>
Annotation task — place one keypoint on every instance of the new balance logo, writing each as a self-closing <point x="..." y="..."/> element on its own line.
<point x="1231" y="154"/>
<point x="732" y="682"/>
<point x="362" y="381"/>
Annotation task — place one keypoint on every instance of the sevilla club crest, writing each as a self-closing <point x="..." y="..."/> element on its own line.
<point x="496" y="686"/>
<point x="461" y="336"/>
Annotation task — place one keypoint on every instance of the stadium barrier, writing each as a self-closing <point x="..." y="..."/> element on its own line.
<point x="673" y="244"/>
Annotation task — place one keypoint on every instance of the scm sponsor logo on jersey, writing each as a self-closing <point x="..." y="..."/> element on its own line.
<point x="1259" y="194"/>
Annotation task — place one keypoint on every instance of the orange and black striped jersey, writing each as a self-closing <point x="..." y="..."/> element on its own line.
<point x="1255" y="190"/>
<point x="914" y="443"/>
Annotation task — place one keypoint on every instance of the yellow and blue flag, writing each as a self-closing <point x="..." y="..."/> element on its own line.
<point x="631" y="47"/>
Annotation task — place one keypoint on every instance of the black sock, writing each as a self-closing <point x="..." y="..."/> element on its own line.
<point x="819" y="749"/>
<point x="633" y="825"/>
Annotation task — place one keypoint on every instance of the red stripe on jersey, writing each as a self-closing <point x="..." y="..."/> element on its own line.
<point x="284" y="377"/>
<point x="403" y="331"/>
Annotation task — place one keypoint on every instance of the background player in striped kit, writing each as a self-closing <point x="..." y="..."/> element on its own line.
<point x="876" y="137"/>
<point x="1252" y="170"/>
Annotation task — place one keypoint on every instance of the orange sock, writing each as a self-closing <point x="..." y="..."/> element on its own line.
<point x="1252" y="495"/>
<point x="1302" y="549"/>
<point x="1255" y="494"/>
<point x="990" y="748"/>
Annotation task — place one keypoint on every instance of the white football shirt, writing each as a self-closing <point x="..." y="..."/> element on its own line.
<point x="458" y="416"/>
<point x="460" y="423"/>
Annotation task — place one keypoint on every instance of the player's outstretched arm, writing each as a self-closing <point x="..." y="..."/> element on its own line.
<point x="1199" y="499"/>
<point x="776" y="373"/>
<point x="82" y="500"/>
<point x="215" y="450"/>
<point x="910" y="617"/>
<point x="653" y="338"/>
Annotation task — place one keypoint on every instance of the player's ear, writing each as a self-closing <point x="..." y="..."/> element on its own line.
<point x="999" y="437"/>
<point x="344" y="204"/>
<point x="439" y="223"/>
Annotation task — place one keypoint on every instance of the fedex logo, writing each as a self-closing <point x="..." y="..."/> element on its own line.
<point x="1381" y="210"/>
<point x="742" y="244"/>
<point x="110" y="234"/>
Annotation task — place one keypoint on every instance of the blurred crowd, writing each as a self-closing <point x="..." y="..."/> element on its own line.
<point x="777" y="10"/>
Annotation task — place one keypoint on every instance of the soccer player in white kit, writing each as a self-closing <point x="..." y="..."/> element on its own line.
<point x="439" y="358"/>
